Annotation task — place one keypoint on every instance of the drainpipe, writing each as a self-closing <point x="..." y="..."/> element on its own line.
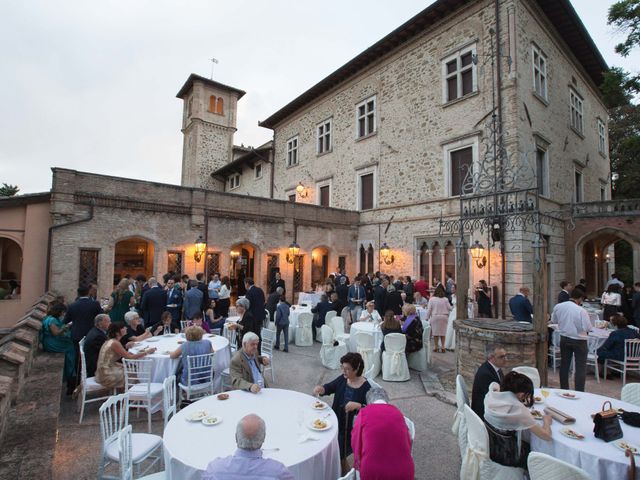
<point x="499" y="88"/>
<point x="51" y="228"/>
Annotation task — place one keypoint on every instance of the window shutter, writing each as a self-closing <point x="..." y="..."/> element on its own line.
<point x="366" y="191"/>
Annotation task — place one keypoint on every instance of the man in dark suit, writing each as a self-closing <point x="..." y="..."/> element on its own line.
<point x="379" y="294"/>
<point x="520" y="306"/>
<point x="489" y="372"/>
<point x="321" y="309"/>
<point x="154" y="302"/>
<point x="81" y="315"/>
<point x="342" y="289"/>
<point x="192" y="300"/>
<point x="255" y="295"/>
<point x="356" y="297"/>
<point x="564" y="294"/>
<point x="272" y="302"/>
<point x="277" y="282"/>
<point x="93" y="342"/>
<point x="336" y="303"/>
<point x="202" y="286"/>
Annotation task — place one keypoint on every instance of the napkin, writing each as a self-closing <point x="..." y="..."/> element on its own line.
<point x="305" y="436"/>
<point x="559" y="416"/>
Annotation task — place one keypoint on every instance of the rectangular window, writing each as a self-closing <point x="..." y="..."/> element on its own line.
<point x="539" y="73"/>
<point x="88" y="266"/>
<point x="324" y="195"/>
<point x="234" y="181"/>
<point x="542" y="171"/>
<point x="460" y="164"/>
<point x="213" y="263"/>
<point x="366" y="117"/>
<point x="324" y="137"/>
<point x="366" y="191"/>
<point x="603" y="194"/>
<point x="459" y="74"/>
<point x="342" y="263"/>
<point x="174" y="262"/>
<point x="292" y="197"/>
<point x="292" y="152"/>
<point x="576" y="111"/>
<point x="578" y="186"/>
<point x="258" y="169"/>
<point x="602" y="137"/>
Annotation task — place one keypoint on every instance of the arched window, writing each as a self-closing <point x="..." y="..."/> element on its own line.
<point x="369" y="260"/>
<point x="424" y="261"/>
<point x="212" y="103"/>
<point x="363" y="258"/>
<point x="219" y="107"/>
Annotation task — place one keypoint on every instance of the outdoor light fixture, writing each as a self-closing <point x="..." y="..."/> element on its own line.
<point x="201" y="247"/>
<point x="477" y="251"/>
<point x="385" y="252"/>
<point x="301" y="191"/>
<point x="294" y="249"/>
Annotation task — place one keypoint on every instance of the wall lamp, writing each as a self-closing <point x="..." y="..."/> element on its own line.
<point x="201" y="247"/>
<point x="477" y="251"/>
<point x="301" y="190"/>
<point x="385" y="252"/>
<point x="294" y="249"/>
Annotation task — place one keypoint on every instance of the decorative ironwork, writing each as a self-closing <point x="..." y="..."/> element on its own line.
<point x="174" y="262"/>
<point x="88" y="266"/>
<point x="213" y="263"/>
<point x="342" y="263"/>
<point x="273" y="262"/>
<point x="298" y="273"/>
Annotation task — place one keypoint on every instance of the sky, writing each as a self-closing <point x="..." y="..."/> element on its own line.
<point x="91" y="85"/>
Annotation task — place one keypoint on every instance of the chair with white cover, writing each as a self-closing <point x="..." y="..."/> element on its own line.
<point x="88" y="385"/>
<point x="530" y="372"/>
<point x="394" y="361"/>
<point x="419" y="360"/>
<point x="346" y="316"/>
<point x="184" y="324"/>
<point x="331" y="354"/>
<point x="351" y="475"/>
<point x="114" y="417"/>
<point x="199" y="376"/>
<point x="592" y="356"/>
<point x="459" y="427"/>
<point x="412" y="430"/>
<point x="476" y="464"/>
<point x="545" y="467"/>
<point x="304" y="335"/>
<point x="631" y="360"/>
<point x="369" y="375"/>
<point x="168" y="398"/>
<point x="337" y="323"/>
<point x="365" y="346"/>
<point x="143" y="393"/>
<point x="554" y="349"/>
<point x="327" y="320"/>
<point x="631" y="393"/>
<point x="268" y="339"/>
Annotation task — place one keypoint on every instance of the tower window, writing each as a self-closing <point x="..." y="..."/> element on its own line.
<point x="216" y="105"/>
<point x="219" y="106"/>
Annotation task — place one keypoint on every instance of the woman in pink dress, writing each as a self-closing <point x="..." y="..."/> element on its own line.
<point x="381" y="441"/>
<point x="438" y="315"/>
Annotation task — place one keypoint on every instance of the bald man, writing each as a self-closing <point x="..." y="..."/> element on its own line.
<point x="247" y="462"/>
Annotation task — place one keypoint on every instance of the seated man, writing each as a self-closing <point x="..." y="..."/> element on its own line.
<point x="489" y="372"/>
<point x="94" y="340"/>
<point x="247" y="461"/>
<point x="245" y="366"/>
<point x="613" y="347"/>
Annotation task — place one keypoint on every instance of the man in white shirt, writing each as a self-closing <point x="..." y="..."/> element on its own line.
<point x="573" y="326"/>
<point x="616" y="280"/>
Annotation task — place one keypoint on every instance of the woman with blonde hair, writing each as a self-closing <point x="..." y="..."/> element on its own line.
<point x="370" y="314"/>
<point x="412" y="328"/>
<point x="121" y="301"/>
<point x="194" y="345"/>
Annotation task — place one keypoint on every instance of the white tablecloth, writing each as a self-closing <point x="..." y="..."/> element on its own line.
<point x="600" y="333"/>
<point x="366" y="327"/>
<point x="190" y="446"/>
<point x="294" y="313"/>
<point x="309" y="298"/>
<point x="163" y="366"/>
<point x="599" y="459"/>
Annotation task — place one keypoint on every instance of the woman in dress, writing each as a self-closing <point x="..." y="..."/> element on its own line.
<point x="412" y="328"/>
<point x="370" y="314"/>
<point x="247" y="322"/>
<point x="507" y="415"/>
<point x="213" y="316"/>
<point x="484" y="300"/>
<point x="224" y="300"/>
<point x="110" y="372"/>
<point x="390" y="324"/>
<point x="349" y="396"/>
<point x="438" y="315"/>
<point x="121" y="301"/>
<point x="135" y="331"/>
<point x="611" y="301"/>
<point x="56" y="337"/>
<point x="194" y="345"/>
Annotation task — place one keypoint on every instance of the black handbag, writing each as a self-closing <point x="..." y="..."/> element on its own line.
<point x="631" y="418"/>
<point x="606" y="424"/>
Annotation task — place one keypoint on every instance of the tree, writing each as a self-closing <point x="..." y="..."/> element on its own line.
<point x="625" y="14"/>
<point x="7" y="190"/>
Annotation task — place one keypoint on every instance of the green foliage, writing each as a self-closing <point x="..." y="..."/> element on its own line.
<point x="625" y="15"/>
<point x="7" y="190"/>
<point x="618" y="87"/>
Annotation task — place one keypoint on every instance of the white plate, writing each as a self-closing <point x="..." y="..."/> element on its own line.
<point x="152" y="339"/>
<point x="316" y="407"/>
<point x="565" y="431"/>
<point x="325" y="420"/>
<point x="634" y="448"/>
<point x="566" y="395"/>
<point x="211" y="421"/>
<point x="197" y="416"/>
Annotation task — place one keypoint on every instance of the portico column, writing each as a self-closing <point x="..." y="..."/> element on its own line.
<point x="430" y="279"/>
<point x="462" y="279"/>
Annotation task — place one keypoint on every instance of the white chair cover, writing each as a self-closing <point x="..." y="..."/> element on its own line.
<point x="419" y="360"/>
<point x="329" y="354"/>
<point x="337" y="324"/>
<point x="530" y="372"/>
<point x="351" y="475"/>
<point x="369" y="375"/>
<point x="346" y="315"/>
<point x="304" y="335"/>
<point x="459" y="427"/>
<point x="631" y="393"/>
<point x="394" y="361"/>
<point x="365" y="346"/>
<point x="545" y="467"/>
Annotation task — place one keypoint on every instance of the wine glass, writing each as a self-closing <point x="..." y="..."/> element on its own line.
<point x="544" y="393"/>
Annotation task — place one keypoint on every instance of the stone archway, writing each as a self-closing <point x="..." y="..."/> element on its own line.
<point x="133" y="256"/>
<point x="243" y="264"/>
<point x="10" y="264"/>
<point x="319" y="266"/>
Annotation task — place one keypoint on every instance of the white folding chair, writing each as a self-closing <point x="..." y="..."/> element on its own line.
<point x="184" y="324"/>
<point x="330" y="354"/>
<point x="126" y="463"/>
<point x="143" y="393"/>
<point x="216" y="331"/>
<point x="89" y="385"/>
<point x="304" y="335"/>
<point x="530" y="372"/>
<point x="168" y="398"/>
<point x="545" y="467"/>
<point x="230" y="334"/>
<point x="631" y="360"/>
<point x="337" y="324"/>
<point x="365" y="346"/>
<point x="418" y="360"/>
<point x="476" y="464"/>
<point x="268" y="339"/>
<point x="394" y="361"/>
<point x="631" y="393"/>
<point x="226" y="380"/>
<point x="554" y="349"/>
<point x="114" y="417"/>
<point x="199" y="376"/>
<point x="592" y="356"/>
<point x="459" y="427"/>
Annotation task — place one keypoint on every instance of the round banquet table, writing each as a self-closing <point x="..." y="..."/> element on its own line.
<point x="366" y="327"/>
<point x="190" y="446"/>
<point x="599" y="459"/>
<point x="294" y="313"/>
<point x="600" y="334"/>
<point x="163" y="366"/>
